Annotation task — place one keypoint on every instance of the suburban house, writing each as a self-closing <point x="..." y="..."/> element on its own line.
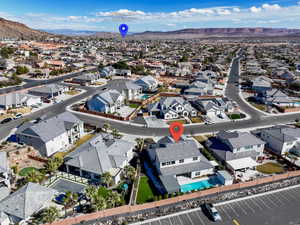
<point x="122" y="72"/>
<point x="148" y="83"/>
<point x="106" y="102"/>
<point x="16" y="100"/>
<point x="48" y="91"/>
<point x="52" y="135"/>
<point x="212" y="107"/>
<point x="5" y="173"/>
<point x="100" y="155"/>
<point x="128" y="88"/>
<point x="239" y="150"/>
<point x="205" y="76"/>
<point x="261" y="84"/>
<point x="22" y="204"/>
<point x="275" y="97"/>
<point x="281" y="139"/>
<point x="107" y="71"/>
<point x="172" y="108"/>
<point x="87" y="79"/>
<point x="174" y="161"/>
<point x="200" y="88"/>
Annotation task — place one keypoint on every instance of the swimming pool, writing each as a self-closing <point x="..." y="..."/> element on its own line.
<point x="203" y="184"/>
<point x="144" y="97"/>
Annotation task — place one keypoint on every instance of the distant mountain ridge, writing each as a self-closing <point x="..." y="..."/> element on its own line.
<point x="11" y="29"/>
<point x="70" y="32"/>
<point x="222" y="32"/>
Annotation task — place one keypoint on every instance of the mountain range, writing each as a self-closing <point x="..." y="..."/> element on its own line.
<point x="11" y="29"/>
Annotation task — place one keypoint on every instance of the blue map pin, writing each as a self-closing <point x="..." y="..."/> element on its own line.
<point x="123" y="28"/>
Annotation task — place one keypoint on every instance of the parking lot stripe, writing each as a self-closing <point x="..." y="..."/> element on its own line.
<point x="291" y="195"/>
<point x="180" y="220"/>
<point x="225" y="213"/>
<point x="255" y="203"/>
<point x="242" y="208"/>
<point x="246" y="202"/>
<point x="233" y="209"/>
<point x="270" y="199"/>
<point x="200" y="218"/>
<point x="263" y="203"/>
<point x="188" y="216"/>
<point x="284" y="197"/>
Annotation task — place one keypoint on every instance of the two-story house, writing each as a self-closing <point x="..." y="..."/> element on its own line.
<point x="281" y="140"/>
<point x="148" y="83"/>
<point x="101" y="154"/>
<point x="106" y="102"/>
<point x="52" y="135"/>
<point x="172" y="108"/>
<point x="239" y="150"/>
<point x="178" y="159"/>
<point x="87" y="79"/>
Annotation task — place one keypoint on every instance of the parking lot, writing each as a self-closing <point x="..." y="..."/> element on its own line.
<point x="276" y="208"/>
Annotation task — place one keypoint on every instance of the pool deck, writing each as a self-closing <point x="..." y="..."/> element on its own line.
<point x="186" y="180"/>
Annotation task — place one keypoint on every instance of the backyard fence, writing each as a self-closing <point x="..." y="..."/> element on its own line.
<point x="127" y="209"/>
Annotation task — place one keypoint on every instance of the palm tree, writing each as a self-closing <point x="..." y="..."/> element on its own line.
<point x="34" y="176"/>
<point x="106" y="127"/>
<point x="115" y="133"/>
<point x="129" y="172"/>
<point x="49" y="215"/>
<point x="53" y="164"/>
<point x="69" y="200"/>
<point x="114" y="199"/>
<point x="99" y="202"/>
<point x="140" y="143"/>
<point x="90" y="192"/>
<point x="106" y="179"/>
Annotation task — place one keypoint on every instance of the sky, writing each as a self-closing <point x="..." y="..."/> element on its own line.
<point x="155" y="15"/>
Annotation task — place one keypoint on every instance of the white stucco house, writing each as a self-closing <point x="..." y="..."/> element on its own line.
<point x="52" y="135"/>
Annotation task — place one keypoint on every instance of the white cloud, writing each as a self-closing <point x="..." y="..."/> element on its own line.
<point x="255" y="9"/>
<point x="236" y="9"/>
<point x="171" y="25"/>
<point x="121" y="13"/>
<point x="271" y="7"/>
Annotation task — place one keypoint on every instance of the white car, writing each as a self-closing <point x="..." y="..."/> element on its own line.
<point x="18" y="116"/>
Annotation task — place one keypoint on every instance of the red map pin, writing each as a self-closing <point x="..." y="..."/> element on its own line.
<point x="176" y="130"/>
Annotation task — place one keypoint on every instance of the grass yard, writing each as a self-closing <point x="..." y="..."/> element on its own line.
<point x="270" y="168"/>
<point x="201" y="138"/>
<point x="22" y="110"/>
<point x="133" y="105"/>
<point x="197" y="120"/>
<point x="145" y="192"/>
<point x="259" y="106"/>
<point x="235" y="116"/>
<point x="82" y="140"/>
<point x="178" y="121"/>
<point x="72" y="92"/>
<point x="23" y="172"/>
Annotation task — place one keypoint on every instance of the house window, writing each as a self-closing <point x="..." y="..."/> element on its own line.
<point x="248" y="147"/>
<point x="195" y="158"/>
<point x="181" y="161"/>
<point x="168" y="163"/>
<point x="197" y="173"/>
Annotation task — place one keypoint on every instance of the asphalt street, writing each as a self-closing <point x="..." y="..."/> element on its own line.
<point x="33" y="83"/>
<point x="278" y="208"/>
<point x="257" y="119"/>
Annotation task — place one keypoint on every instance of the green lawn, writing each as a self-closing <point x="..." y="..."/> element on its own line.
<point x="259" y="106"/>
<point x="133" y="105"/>
<point x="23" y="172"/>
<point x="235" y="116"/>
<point x="270" y="168"/>
<point x="145" y="192"/>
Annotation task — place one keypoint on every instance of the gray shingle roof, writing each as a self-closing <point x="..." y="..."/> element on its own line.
<point x="100" y="155"/>
<point x="15" y="99"/>
<point x="284" y="134"/>
<point x="170" y="183"/>
<point x="4" y="168"/>
<point x="50" y="128"/>
<point x="27" y="200"/>
<point x="239" y="139"/>
<point x="175" y="151"/>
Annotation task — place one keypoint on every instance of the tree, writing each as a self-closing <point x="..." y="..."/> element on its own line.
<point x="90" y="192"/>
<point x="106" y="127"/>
<point x="49" y="215"/>
<point x="53" y="164"/>
<point x="34" y="176"/>
<point x="140" y="143"/>
<point x="69" y="200"/>
<point x="129" y="172"/>
<point x="21" y="70"/>
<point x="106" y="179"/>
<point x="121" y="65"/>
<point x="99" y="203"/>
<point x="115" y="133"/>
<point x="114" y="199"/>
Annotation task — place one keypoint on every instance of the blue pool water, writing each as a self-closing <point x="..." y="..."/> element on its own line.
<point x="211" y="182"/>
<point x="144" y="97"/>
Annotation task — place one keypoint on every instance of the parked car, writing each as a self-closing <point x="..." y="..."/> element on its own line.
<point x="59" y="199"/>
<point x="211" y="211"/>
<point x="7" y="120"/>
<point x="18" y="116"/>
